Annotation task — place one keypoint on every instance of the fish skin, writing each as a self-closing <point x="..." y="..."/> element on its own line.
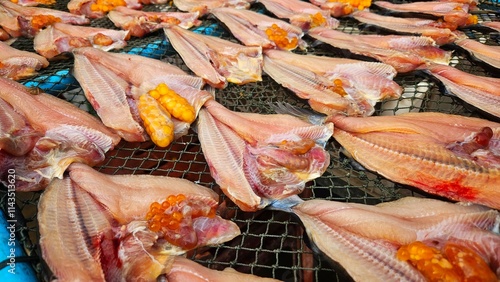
<point x="423" y="150"/>
<point x="82" y="7"/>
<point x="16" y="64"/>
<point x="216" y="60"/>
<point x="299" y="13"/>
<point x="203" y="6"/>
<point x="486" y="53"/>
<point x="479" y="91"/>
<point x="249" y="27"/>
<point x="140" y="23"/>
<point x="59" y="38"/>
<point x="312" y="77"/>
<point x="404" y="53"/>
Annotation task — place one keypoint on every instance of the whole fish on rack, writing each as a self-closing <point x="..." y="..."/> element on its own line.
<point x="66" y="133"/>
<point x="94" y="9"/>
<point x="448" y="155"/>
<point x="485" y="53"/>
<point x="441" y="32"/>
<point x="60" y="38"/>
<point x="204" y="6"/>
<point x="302" y="14"/>
<point x="140" y="23"/>
<point x="254" y="29"/>
<point x="451" y="12"/>
<point x="339" y="8"/>
<point x="404" y="53"/>
<point x="16" y="64"/>
<point x="216" y="60"/>
<point x="28" y="21"/>
<point x="333" y="85"/>
<point x="411" y="239"/>
<point x="256" y="159"/>
<point x="479" y="91"/>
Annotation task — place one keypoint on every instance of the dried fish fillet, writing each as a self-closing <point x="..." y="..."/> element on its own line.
<point x="486" y="53"/>
<point x="16" y="64"/>
<point x="204" y="6"/>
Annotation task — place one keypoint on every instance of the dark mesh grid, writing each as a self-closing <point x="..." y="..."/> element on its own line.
<point x="272" y="243"/>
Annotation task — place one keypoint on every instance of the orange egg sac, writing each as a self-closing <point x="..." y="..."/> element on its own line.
<point x="102" y="39"/>
<point x="106" y="5"/>
<point x="317" y="20"/>
<point x="40" y="21"/>
<point x="280" y="37"/>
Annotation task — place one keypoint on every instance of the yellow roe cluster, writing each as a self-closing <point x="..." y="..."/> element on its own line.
<point x="106" y="5"/>
<point x="472" y="19"/>
<point x="173" y="219"/>
<point x="357" y="4"/>
<point x="40" y="21"/>
<point x="317" y="20"/>
<point x="454" y="263"/>
<point x="102" y="40"/>
<point x="157" y="121"/>
<point x="280" y="37"/>
<point x="164" y="19"/>
<point x="338" y="88"/>
<point x="175" y="104"/>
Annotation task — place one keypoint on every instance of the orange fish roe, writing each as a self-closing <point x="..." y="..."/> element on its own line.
<point x="469" y="265"/>
<point x="164" y="19"/>
<point x="358" y="4"/>
<point x="472" y="19"/>
<point x="103" y="40"/>
<point x="338" y="88"/>
<point x="317" y="20"/>
<point x="280" y="37"/>
<point x="173" y="219"/>
<point x="40" y="21"/>
<point x="173" y="103"/>
<point x="106" y="5"/>
<point x="157" y="121"/>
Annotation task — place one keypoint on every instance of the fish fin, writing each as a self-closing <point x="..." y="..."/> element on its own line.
<point x="285" y="204"/>
<point x="304" y="114"/>
<point x="355" y="164"/>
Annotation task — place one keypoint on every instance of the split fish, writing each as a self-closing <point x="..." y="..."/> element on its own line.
<point x="204" y="6"/>
<point x="371" y="242"/>
<point x="31" y="3"/>
<point x="255" y="169"/>
<point x="333" y="85"/>
<point x="479" y="91"/>
<point x="448" y="155"/>
<point x="16" y="64"/>
<point x="492" y="25"/>
<point x="404" y="53"/>
<point x="486" y="53"/>
<point x="94" y="9"/>
<point x="341" y="8"/>
<point x="216" y="60"/>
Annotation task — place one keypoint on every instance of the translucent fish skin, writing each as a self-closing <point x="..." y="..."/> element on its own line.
<point x="249" y="27"/>
<point x="314" y="78"/>
<point x="479" y="91"/>
<point x="140" y="23"/>
<point x="486" y="53"/>
<point x="440" y="32"/>
<point x="16" y="64"/>
<point x="59" y="38"/>
<point x="82" y="7"/>
<point x="203" y="6"/>
<point x="364" y="239"/>
<point x="216" y="60"/>
<point x="442" y="154"/>
<point x="300" y="13"/>
<point x="404" y="53"/>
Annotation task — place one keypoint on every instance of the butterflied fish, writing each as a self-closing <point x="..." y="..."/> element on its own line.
<point x="28" y="21"/>
<point x="216" y="60"/>
<point x="60" y="38"/>
<point x="68" y="134"/>
<point x="492" y="25"/>
<point x="99" y="8"/>
<point x="341" y="8"/>
<point x="387" y="242"/>
<point x="451" y="156"/>
<point x="140" y="23"/>
<point x="404" y="53"/>
<point x="302" y="14"/>
<point x="479" y="91"/>
<point x="16" y="64"/>
<point x="256" y="169"/>
<point x="254" y="29"/>
<point x="486" y="53"/>
<point x="34" y="2"/>
<point x="332" y="85"/>
<point x="441" y="32"/>
<point x="451" y="12"/>
<point x="133" y="240"/>
<point x="203" y="6"/>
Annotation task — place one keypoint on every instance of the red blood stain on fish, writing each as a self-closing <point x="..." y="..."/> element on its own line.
<point x="453" y="189"/>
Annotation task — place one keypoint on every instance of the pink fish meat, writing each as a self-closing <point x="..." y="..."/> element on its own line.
<point x="339" y="8"/>
<point x="300" y="13"/>
<point x="60" y="38"/>
<point x="30" y="3"/>
<point x="404" y="53"/>
<point x="332" y="85"/>
<point x="203" y="6"/>
<point x="486" y="53"/>
<point x="84" y="7"/>
<point x="216" y="60"/>
<point x="492" y="25"/>
<point x="254" y="29"/>
<point x="140" y="23"/>
<point x="16" y="64"/>
<point x="451" y="156"/>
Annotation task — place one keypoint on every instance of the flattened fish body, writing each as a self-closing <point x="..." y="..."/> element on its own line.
<point x="486" y="53"/>
<point x="16" y="64"/>
<point x="203" y="6"/>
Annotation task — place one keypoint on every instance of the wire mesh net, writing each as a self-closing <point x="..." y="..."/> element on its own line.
<point x="272" y="244"/>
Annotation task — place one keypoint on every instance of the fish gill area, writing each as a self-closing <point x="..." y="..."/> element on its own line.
<point x="272" y="243"/>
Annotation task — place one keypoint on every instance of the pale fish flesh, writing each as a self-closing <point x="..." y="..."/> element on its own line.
<point x="254" y="29"/>
<point x="216" y="60"/>
<point x="203" y="6"/>
<point x="68" y="134"/>
<point x="34" y="2"/>
<point x="300" y="13"/>
<point x="486" y="53"/>
<point x="59" y="38"/>
<point x="448" y="155"/>
<point x="492" y="25"/>
<point x="16" y="64"/>
<point x="84" y="7"/>
<point x="365" y="239"/>
<point x="333" y="85"/>
<point x="128" y="247"/>
<point x="451" y="12"/>
<point x="479" y="91"/>
<point x="404" y="53"/>
<point x="256" y="169"/>
<point x="441" y="32"/>
<point x="140" y="23"/>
